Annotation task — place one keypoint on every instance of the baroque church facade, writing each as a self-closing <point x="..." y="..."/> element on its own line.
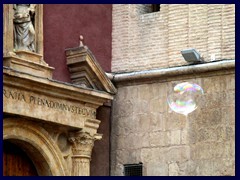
<point x="85" y="91"/>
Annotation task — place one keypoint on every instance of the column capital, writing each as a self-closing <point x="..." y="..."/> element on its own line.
<point x="82" y="143"/>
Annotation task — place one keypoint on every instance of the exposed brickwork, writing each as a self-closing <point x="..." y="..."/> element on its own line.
<point x="144" y="41"/>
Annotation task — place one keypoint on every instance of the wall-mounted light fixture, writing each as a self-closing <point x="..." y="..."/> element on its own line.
<point x="191" y="56"/>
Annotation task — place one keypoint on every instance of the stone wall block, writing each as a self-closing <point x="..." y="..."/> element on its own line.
<point x="156" y="169"/>
<point x="173" y="169"/>
<point x="157" y="122"/>
<point x="184" y="137"/>
<point x="205" y="168"/>
<point x="175" y="137"/>
<point x="158" y="139"/>
<point x="175" y="121"/>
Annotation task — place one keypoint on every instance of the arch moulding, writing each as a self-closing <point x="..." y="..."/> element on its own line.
<point x="35" y="140"/>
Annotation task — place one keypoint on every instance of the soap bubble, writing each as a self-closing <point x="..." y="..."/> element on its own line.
<point x="185" y="97"/>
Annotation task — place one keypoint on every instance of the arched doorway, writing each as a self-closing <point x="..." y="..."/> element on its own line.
<point x="16" y="161"/>
<point x="36" y="143"/>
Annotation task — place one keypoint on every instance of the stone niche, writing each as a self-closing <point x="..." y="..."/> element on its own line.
<point x="21" y="59"/>
<point x="53" y="122"/>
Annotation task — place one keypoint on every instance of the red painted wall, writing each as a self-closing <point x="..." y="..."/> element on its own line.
<point x="63" y="23"/>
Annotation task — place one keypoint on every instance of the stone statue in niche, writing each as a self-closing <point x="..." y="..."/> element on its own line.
<point x="24" y="32"/>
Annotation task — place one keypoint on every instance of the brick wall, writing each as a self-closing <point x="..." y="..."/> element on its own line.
<point x="143" y="41"/>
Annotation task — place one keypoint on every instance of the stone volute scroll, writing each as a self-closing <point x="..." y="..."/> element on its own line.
<point x="82" y="145"/>
<point x="23" y="39"/>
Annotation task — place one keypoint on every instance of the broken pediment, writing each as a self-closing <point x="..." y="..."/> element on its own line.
<point x="86" y="71"/>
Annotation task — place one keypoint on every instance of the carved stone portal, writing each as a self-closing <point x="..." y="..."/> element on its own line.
<point x="53" y="122"/>
<point x="55" y="104"/>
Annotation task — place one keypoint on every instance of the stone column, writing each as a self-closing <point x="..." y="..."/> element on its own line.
<point x="82" y="144"/>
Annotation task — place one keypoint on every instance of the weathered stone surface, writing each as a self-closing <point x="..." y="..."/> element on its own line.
<point x="173" y="169"/>
<point x="85" y="70"/>
<point x="192" y="144"/>
<point x="156" y="168"/>
<point x="41" y="147"/>
<point x="43" y="116"/>
<point x="180" y="145"/>
<point x="23" y="59"/>
<point x="53" y="106"/>
<point x="8" y="29"/>
<point x="59" y="108"/>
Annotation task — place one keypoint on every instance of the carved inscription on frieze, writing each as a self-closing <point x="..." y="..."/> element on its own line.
<point x="51" y="104"/>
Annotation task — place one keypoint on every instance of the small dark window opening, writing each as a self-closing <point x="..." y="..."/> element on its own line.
<point x="155" y="7"/>
<point x="133" y="169"/>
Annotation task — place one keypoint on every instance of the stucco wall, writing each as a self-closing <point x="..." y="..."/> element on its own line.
<point x="154" y="40"/>
<point x="64" y="23"/>
<point x="144" y="129"/>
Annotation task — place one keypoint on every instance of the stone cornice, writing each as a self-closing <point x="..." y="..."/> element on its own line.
<point x="52" y="101"/>
<point x="53" y="87"/>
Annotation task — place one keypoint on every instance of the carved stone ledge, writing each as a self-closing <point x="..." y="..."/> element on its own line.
<point x="35" y="57"/>
<point x="30" y="63"/>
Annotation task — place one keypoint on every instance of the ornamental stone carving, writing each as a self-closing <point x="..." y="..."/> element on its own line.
<point x="82" y="144"/>
<point x="24" y="32"/>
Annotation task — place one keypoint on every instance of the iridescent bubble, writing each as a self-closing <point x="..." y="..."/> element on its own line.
<point x="185" y="98"/>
